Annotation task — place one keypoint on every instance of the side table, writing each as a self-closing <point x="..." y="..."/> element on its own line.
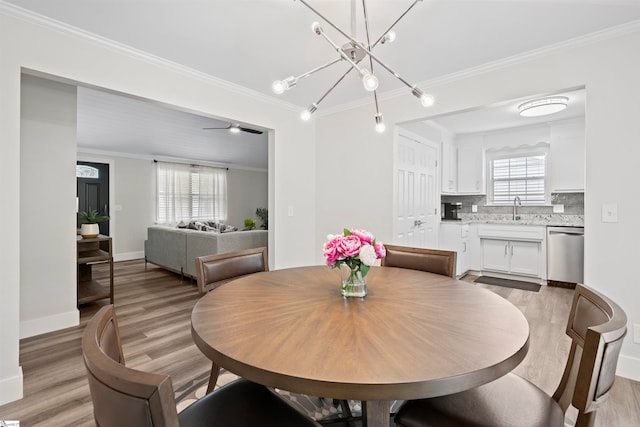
<point x="91" y="251"/>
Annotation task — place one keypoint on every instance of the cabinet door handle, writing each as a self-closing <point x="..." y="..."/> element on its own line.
<point x="465" y="247"/>
<point x="505" y="249"/>
<point x="512" y="250"/>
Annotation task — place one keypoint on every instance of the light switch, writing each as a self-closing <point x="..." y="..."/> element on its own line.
<point x="474" y="208"/>
<point x="610" y="212"/>
<point x="118" y="208"/>
<point x="558" y="208"/>
<point x="290" y="211"/>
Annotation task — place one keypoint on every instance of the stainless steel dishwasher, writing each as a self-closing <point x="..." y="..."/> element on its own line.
<point x="565" y="254"/>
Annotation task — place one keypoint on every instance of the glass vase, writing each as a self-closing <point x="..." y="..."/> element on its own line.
<point x="354" y="284"/>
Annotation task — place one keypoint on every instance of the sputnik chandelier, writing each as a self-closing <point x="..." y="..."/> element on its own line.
<point x="354" y="52"/>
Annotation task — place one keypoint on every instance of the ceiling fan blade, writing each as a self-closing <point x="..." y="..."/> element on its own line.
<point x="249" y="130"/>
<point x="259" y="132"/>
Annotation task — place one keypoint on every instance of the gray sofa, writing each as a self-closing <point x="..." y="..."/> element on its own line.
<point x="176" y="249"/>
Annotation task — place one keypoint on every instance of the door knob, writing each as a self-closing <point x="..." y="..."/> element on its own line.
<point x="417" y="223"/>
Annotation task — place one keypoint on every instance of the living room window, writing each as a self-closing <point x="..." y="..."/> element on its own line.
<point x="190" y="193"/>
<point x="519" y="174"/>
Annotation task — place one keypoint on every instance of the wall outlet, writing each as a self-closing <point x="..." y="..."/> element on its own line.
<point x="558" y="208"/>
<point x="636" y="333"/>
<point x="474" y="208"/>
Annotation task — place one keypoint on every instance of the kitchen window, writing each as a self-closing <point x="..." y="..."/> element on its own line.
<point x="190" y="193"/>
<point x="519" y="174"/>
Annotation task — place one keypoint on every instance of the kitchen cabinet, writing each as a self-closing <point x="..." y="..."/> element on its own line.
<point x="449" y="168"/>
<point x="471" y="169"/>
<point x="513" y="250"/>
<point x="511" y="256"/>
<point x="567" y="158"/>
<point x="454" y="236"/>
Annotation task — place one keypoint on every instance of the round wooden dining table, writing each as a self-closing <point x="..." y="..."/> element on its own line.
<point x="415" y="335"/>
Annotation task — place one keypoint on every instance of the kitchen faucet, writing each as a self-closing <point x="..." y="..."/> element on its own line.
<point x="516" y="199"/>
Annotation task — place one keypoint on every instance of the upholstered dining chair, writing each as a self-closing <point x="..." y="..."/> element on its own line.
<point x="596" y="327"/>
<point x="124" y="397"/>
<point x="215" y="270"/>
<point x="430" y="260"/>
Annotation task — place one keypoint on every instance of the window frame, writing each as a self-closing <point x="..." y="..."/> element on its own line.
<point x="501" y="154"/>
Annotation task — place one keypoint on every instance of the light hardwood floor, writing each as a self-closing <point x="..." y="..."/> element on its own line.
<point x="154" y="308"/>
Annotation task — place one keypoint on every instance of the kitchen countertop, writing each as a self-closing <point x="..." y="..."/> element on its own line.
<point x="525" y="219"/>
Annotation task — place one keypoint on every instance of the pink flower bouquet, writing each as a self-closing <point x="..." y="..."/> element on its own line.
<point x="356" y="248"/>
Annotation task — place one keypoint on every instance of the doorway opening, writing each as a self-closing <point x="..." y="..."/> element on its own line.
<point x="93" y="191"/>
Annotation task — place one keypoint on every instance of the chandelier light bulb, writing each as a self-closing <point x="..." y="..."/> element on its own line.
<point x="427" y="100"/>
<point x="380" y="126"/>
<point x="389" y="37"/>
<point x="234" y="129"/>
<point x="316" y="28"/>
<point x="306" y="114"/>
<point x="278" y="87"/>
<point x="369" y="81"/>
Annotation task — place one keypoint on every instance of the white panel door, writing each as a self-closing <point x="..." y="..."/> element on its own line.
<point x="415" y="194"/>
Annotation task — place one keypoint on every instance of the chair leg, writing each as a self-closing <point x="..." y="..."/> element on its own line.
<point x="213" y="378"/>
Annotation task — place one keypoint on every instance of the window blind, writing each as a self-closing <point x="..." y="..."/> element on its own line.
<point x="522" y="176"/>
<point x="190" y="193"/>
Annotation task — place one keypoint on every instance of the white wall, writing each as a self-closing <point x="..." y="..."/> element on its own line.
<point x="47" y="188"/>
<point x="90" y="62"/>
<point x="247" y="191"/>
<point x="349" y="149"/>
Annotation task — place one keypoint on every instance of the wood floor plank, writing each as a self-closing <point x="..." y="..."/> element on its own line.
<point x="154" y="308"/>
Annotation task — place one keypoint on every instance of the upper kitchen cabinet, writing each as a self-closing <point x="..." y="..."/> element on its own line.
<point x="567" y="156"/>
<point x="471" y="165"/>
<point x="449" y="168"/>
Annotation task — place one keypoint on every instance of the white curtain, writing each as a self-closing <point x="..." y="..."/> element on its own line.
<point x="190" y="193"/>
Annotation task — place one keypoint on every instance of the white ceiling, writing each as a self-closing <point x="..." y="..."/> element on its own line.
<point x="250" y="43"/>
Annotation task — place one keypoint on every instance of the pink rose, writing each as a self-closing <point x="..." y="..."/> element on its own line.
<point x="349" y="246"/>
<point x="365" y="237"/>
<point x="331" y="252"/>
<point x="380" y="250"/>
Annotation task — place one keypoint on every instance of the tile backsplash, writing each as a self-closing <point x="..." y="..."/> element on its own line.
<point x="573" y="204"/>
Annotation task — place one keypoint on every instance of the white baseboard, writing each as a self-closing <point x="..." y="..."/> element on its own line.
<point x="128" y="256"/>
<point x="628" y="367"/>
<point x="11" y="388"/>
<point x="42" y="325"/>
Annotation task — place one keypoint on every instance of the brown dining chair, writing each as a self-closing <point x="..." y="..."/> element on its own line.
<point x="431" y="260"/>
<point x="124" y="397"/>
<point x="596" y="327"/>
<point x="215" y="270"/>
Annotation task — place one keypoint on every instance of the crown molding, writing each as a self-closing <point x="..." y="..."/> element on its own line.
<point x="31" y="17"/>
<point x="591" y="38"/>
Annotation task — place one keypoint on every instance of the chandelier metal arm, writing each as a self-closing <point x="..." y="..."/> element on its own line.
<point x="366" y="25"/>
<point x="394" y="24"/>
<point x="322" y="67"/>
<point x="333" y="86"/>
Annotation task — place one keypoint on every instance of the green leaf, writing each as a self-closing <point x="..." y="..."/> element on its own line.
<point x="347" y="232"/>
<point x="364" y="269"/>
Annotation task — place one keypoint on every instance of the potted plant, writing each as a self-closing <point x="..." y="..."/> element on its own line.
<point x="90" y="220"/>
<point x="249" y="224"/>
<point x="263" y="214"/>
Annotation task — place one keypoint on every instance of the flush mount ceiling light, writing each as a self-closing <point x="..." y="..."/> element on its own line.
<point x="354" y="52"/>
<point x="543" y="106"/>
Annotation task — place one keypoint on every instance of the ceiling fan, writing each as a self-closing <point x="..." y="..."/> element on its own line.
<point x="236" y="129"/>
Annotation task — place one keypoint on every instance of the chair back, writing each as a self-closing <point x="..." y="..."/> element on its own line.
<point x="216" y="269"/>
<point x="596" y="326"/>
<point x="430" y="260"/>
<point x="123" y="396"/>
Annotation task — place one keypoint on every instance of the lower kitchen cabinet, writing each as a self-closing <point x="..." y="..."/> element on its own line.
<point x="511" y="256"/>
<point x="454" y="236"/>
<point x="518" y="250"/>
